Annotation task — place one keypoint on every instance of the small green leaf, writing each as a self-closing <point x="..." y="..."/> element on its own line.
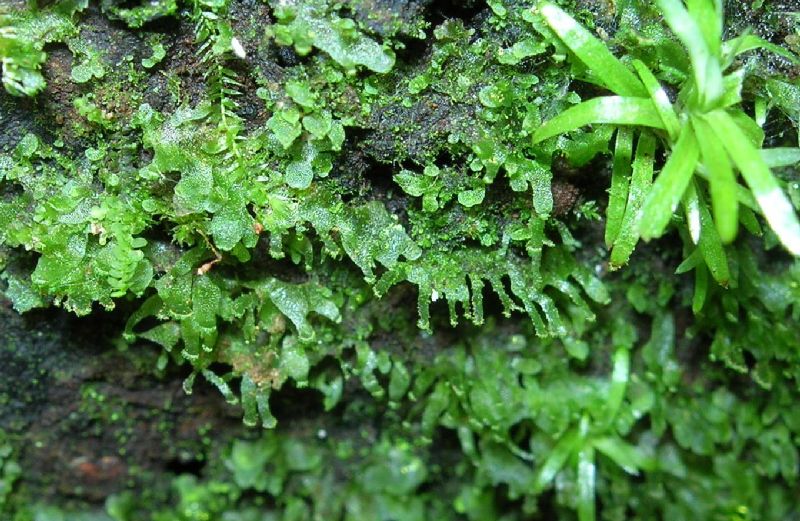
<point x="301" y="94"/>
<point x="521" y="50"/>
<point x="620" y="180"/>
<point x="750" y="42"/>
<point x="705" y="62"/>
<point x="780" y="157"/>
<point x="229" y="226"/>
<point x="159" y="52"/>
<point x="722" y="182"/>
<point x="614" y="110"/>
<point x="318" y="124"/>
<point x="619" y="384"/>
<point x="592" y="52"/>
<point x="708" y="240"/>
<point x="628" y="457"/>
<point x="221" y="385"/>
<point x="732" y="89"/>
<point x="586" y="484"/>
<point x="556" y="459"/>
<point x="668" y="189"/>
<point x="470" y="198"/>
<point x="773" y="202"/>
<point x="660" y="100"/>
<point x="23" y="297"/>
<point x="299" y="174"/>
<point x="285" y="131"/>
<point x="708" y="14"/>
<point x="414" y="184"/>
<point x="492" y="96"/>
<point x="294" y="362"/>
<point x="336" y="135"/>
<point x="700" y="288"/>
<point x="641" y="181"/>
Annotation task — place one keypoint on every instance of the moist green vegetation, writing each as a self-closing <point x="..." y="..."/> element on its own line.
<point x="269" y="219"/>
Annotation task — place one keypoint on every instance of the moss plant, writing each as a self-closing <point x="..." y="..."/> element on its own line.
<point x="402" y="241"/>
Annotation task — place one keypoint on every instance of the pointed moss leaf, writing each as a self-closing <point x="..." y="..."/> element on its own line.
<point x="586" y="484"/>
<point x="556" y="459"/>
<point x="620" y="181"/>
<point x="705" y="61"/>
<point x="705" y="234"/>
<point x="689" y="263"/>
<point x="628" y="457"/>
<point x="668" y="189"/>
<point x="708" y="14"/>
<point x="620" y="375"/>
<point x="711" y="247"/>
<point x="773" y="202"/>
<point x="641" y="182"/>
<point x="592" y="52"/>
<point x="749" y="220"/>
<point x="722" y="182"/>
<point x="780" y="157"/>
<point x="700" y="288"/>
<point x="660" y="99"/>
<point x="691" y="204"/>
<point x="399" y="381"/>
<point x="615" y="110"/>
<point x="750" y="42"/>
